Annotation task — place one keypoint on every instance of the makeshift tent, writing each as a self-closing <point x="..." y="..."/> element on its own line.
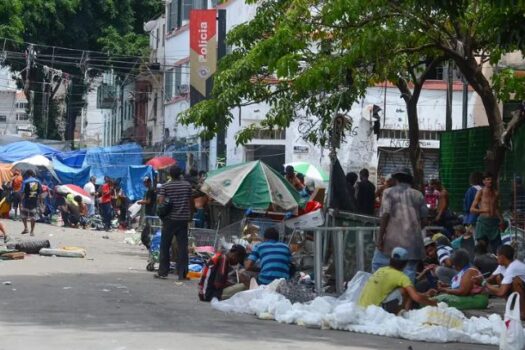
<point x="133" y="183"/>
<point x="251" y="185"/>
<point x="38" y="162"/>
<point x="113" y="161"/>
<point x="73" y="159"/>
<point x="71" y="175"/>
<point x="5" y="173"/>
<point x="24" y="149"/>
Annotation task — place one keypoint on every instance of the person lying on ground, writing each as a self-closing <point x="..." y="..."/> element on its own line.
<point x="509" y="277"/>
<point x="465" y="290"/>
<point x="220" y="277"/>
<point x="273" y="257"/>
<point x="391" y="289"/>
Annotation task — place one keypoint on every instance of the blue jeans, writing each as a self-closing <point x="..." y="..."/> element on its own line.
<point x="381" y="260"/>
<point x="106" y="211"/>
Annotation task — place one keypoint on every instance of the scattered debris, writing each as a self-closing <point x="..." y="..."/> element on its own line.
<point x="6" y="283"/>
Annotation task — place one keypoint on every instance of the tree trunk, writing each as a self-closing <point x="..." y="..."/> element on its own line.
<point x="414" y="148"/>
<point x="475" y="77"/>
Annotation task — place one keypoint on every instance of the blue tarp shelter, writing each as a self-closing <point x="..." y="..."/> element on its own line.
<point x="24" y="149"/>
<point x="73" y="159"/>
<point x="71" y="175"/>
<point x="133" y="183"/>
<point x="113" y="161"/>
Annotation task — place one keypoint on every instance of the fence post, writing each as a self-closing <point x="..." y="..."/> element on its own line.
<point x="339" y="261"/>
<point x="318" y="261"/>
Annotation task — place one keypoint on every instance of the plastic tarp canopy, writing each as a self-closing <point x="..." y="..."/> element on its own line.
<point x="73" y="159"/>
<point x="133" y="183"/>
<point x="24" y="149"/>
<point x="5" y="173"/>
<point x="113" y="161"/>
<point x="71" y="175"/>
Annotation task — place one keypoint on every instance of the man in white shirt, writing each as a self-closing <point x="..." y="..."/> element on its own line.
<point x="90" y="188"/>
<point x="509" y="277"/>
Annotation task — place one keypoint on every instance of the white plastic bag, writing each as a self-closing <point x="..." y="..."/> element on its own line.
<point x="512" y="337"/>
<point x="355" y="286"/>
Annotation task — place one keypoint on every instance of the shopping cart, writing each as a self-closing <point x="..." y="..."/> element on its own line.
<point x="150" y="237"/>
<point x="203" y="237"/>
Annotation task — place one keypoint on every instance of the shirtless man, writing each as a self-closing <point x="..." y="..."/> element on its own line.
<point x="486" y="205"/>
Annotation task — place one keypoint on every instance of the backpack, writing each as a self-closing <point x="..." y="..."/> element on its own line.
<point x="214" y="278"/>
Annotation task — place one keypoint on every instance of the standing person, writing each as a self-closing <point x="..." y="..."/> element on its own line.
<point x="351" y="179"/>
<point x="293" y="179"/>
<point x="16" y="188"/>
<point x="178" y="192"/>
<point x="32" y="188"/>
<point x="90" y="188"/>
<point x="366" y="194"/>
<point x="476" y="180"/>
<point x="402" y="210"/>
<point x="106" y="209"/>
<point x="442" y="214"/>
<point x="150" y="198"/>
<point x="486" y="205"/>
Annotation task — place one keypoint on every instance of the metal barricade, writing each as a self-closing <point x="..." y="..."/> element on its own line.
<point x="339" y="234"/>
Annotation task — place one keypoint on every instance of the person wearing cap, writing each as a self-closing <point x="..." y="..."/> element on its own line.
<point x="150" y="198"/>
<point x="402" y="210"/>
<point x="220" y="277"/>
<point x="293" y="179"/>
<point x="390" y="288"/>
<point x="91" y="190"/>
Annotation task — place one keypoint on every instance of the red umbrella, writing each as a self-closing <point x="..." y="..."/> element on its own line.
<point x="161" y="162"/>
<point x="75" y="191"/>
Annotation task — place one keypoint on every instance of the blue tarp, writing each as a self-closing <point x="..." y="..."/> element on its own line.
<point x="133" y="184"/>
<point x="24" y="149"/>
<point x="70" y="175"/>
<point x="113" y="161"/>
<point x="73" y="159"/>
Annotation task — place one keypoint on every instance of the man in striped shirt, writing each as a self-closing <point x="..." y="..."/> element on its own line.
<point x="273" y="257"/>
<point x="178" y="191"/>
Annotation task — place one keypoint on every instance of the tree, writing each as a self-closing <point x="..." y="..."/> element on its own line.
<point x="114" y="27"/>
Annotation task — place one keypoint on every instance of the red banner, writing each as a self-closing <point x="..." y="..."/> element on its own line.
<point x="203" y="51"/>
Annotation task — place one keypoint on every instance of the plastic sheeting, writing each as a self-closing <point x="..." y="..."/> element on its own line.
<point x="113" y="161"/>
<point x="133" y="183"/>
<point x="432" y="324"/>
<point x="71" y="175"/>
<point x="73" y="159"/>
<point x="24" y="149"/>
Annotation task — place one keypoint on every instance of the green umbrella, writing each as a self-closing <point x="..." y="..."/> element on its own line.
<point x="251" y="185"/>
<point x="310" y="172"/>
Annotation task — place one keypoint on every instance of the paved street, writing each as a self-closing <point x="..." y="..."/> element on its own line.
<point x="109" y="301"/>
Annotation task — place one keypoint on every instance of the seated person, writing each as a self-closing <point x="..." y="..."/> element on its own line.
<point x="485" y="261"/>
<point x="83" y="211"/>
<point x="464" y="239"/>
<point x="465" y="291"/>
<point x="509" y="277"/>
<point x="274" y="259"/>
<point x="390" y="288"/>
<point x="445" y="271"/>
<point x="437" y="266"/>
<point x="220" y="278"/>
<point x="73" y="210"/>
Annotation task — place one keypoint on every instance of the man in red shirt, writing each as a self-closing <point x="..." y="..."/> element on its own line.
<point x="106" y="210"/>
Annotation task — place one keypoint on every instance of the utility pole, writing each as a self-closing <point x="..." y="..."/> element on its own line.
<point x="448" y="114"/>
<point x="84" y="70"/>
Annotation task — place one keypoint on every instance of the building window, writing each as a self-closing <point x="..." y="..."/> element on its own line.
<point x="3" y="119"/>
<point x="168" y="85"/>
<point x="155" y="106"/>
<point x="270" y="134"/>
<point x="22" y="117"/>
<point x="163" y="34"/>
<point x="178" y="80"/>
<point x="105" y="96"/>
<point x="173" y="15"/>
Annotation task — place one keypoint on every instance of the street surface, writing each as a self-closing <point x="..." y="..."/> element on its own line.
<point x="109" y="301"/>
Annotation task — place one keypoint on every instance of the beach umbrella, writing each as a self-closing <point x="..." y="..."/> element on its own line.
<point x="251" y="185"/>
<point x="75" y="191"/>
<point x="161" y="162"/>
<point x="311" y="172"/>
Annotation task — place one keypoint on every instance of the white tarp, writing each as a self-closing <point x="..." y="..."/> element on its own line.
<point x="432" y="324"/>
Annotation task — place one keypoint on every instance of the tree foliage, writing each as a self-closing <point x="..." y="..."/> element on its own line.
<point x="311" y="58"/>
